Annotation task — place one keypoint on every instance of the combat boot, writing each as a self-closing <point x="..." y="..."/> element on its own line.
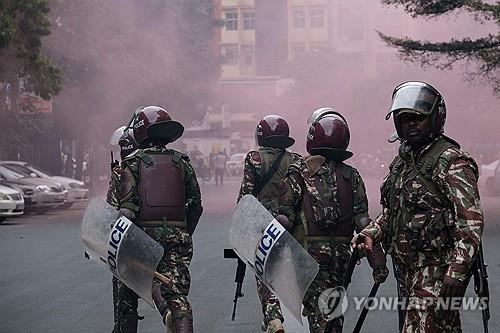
<point x="183" y="325"/>
<point x="275" y="326"/>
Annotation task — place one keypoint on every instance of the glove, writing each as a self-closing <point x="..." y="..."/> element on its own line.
<point x="128" y="213"/>
<point x="377" y="262"/>
<point x="284" y="221"/>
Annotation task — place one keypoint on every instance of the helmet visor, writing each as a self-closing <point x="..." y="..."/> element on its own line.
<point x="418" y="98"/>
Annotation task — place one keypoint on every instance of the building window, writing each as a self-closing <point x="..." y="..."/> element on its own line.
<point x="246" y="55"/>
<point x="231" y="20"/>
<point x="350" y="27"/>
<point x="246" y="60"/>
<point x="229" y="54"/>
<point x="248" y="20"/>
<point x="317" y="17"/>
<point x="299" y="17"/>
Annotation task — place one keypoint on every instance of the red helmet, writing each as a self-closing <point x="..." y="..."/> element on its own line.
<point x="127" y="144"/>
<point x="329" y="136"/>
<point x="273" y="131"/>
<point x="153" y="123"/>
<point x="422" y="98"/>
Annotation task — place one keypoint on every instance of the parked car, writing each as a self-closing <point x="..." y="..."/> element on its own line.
<point x="77" y="192"/>
<point x="40" y="194"/>
<point x="11" y="203"/>
<point x="235" y="164"/>
<point x="489" y="177"/>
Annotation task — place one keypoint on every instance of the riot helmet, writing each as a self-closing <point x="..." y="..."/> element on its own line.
<point x="419" y="98"/>
<point x="322" y="112"/>
<point x="273" y="131"/>
<point x="127" y="144"/>
<point x="154" y="124"/>
<point x="329" y="136"/>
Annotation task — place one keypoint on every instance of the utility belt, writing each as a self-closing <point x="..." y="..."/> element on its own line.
<point x="334" y="239"/>
<point x="345" y="229"/>
<point x="162" y="223"/>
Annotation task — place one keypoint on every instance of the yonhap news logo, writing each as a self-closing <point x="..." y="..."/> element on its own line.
<point x="333" y="302"/>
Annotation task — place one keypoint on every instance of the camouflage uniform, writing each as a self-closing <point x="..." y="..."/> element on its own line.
<point x="431" y="222"/>
<point x="113" y="198"/>
<point x="332" y="253"/>
<point x="176" y="242"/>
<point x="257" y="164"/>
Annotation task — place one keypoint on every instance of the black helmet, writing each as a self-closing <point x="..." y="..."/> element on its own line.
<point x="420" y="98"/>
<point x="273" y="131"/>
<point x="329" y="136"/>
<point x="127" y="144"/>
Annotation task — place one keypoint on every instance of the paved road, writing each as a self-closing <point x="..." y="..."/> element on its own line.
<point x="47" y="286"/>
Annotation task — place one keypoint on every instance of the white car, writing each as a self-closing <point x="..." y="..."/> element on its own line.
<point x="77" y="192"/>
<point x="11" y="203"/>
<point x="489" y="177"/>
<point x="40" y="194"/>
<point x="236" y="164"/>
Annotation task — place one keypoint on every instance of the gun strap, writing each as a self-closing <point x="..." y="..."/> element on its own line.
<point x="267" y="177"/>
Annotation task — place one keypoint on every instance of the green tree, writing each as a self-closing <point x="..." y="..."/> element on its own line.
<point x="23" y="24"/>
<point x="483" y="52"/>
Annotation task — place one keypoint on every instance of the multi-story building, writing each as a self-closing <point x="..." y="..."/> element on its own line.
<point x="259" y="39"/>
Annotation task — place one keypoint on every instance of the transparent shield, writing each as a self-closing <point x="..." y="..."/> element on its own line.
<point x="277" y="259"/>
<point x="418" y="98"/>
<point x="117" y="134"/>
<point x="124" y="249"/>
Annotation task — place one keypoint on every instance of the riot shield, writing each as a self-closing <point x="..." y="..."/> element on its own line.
<point x="124" y="249"/>
<point x="117" y="134"/>
<point x="277" y="259"/>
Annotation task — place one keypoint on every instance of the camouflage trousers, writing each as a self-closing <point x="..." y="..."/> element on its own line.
<point x="333" y="258"/>
<point x="271" y="308"/>
<point x="421" y="285"/>
<point x="178" y="252"/>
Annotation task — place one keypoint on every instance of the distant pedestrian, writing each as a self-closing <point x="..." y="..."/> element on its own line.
<point x="220" y="167"/>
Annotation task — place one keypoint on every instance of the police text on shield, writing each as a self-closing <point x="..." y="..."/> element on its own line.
<point x="270" y="236"/>
<point x="115" y="238"/>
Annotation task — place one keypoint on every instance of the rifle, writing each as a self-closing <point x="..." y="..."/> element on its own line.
<point x="481" y="285"/>
<point x="240" y="275"/>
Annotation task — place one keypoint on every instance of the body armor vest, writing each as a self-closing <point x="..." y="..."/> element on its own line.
<point x="329" y="213"/>
<point x="161" y="189"/>
<point x="418" y="208"/>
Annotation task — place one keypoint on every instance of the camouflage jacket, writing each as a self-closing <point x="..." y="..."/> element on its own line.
<point x="113" y="195"/>
<point x="434" y="219"/>
<point x="292" y="192"/>
<point x="130" y="179"/>
<point x="257" y="164"/>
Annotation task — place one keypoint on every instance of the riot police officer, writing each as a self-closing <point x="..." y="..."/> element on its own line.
<point x="127" y="145"/>
<point x="160" y="193"/>
<point x="325" y="201"/>
<point x="262" y="174"/>
<point x="431" y="220"/>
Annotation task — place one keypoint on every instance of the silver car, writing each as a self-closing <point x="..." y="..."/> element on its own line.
<point x="40" y="194"/>
<point x="77" y="192"/>
<point x="11" y="203"/>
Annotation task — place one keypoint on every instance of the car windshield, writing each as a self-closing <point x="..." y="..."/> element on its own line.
<point x="20" y="169"/>
<point x="10" y="174"/>
<point x="40" y="172"/>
